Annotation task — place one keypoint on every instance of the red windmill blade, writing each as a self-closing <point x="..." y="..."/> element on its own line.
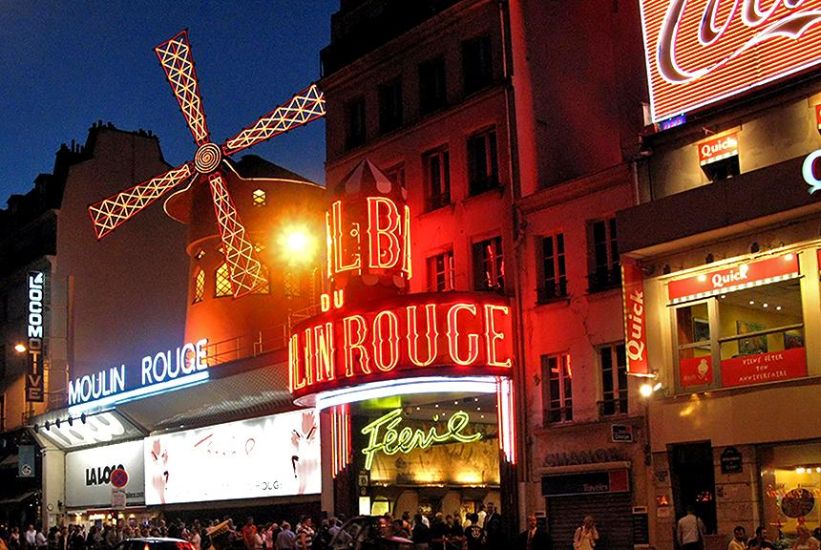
<point x="176" y="60"/>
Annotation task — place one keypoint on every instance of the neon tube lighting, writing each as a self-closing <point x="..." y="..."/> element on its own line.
<point x="140" y="393"/>
<point x="386" y="388"/>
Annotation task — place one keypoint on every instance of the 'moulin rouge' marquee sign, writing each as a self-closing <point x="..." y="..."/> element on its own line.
<point x="700" y="52"/>
<point x="454" y="333"/>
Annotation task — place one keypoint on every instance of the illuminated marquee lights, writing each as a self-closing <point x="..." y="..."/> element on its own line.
<point x="387" y="232"/>
<point x="384" y="437"/>
<point x="468" y="333"/>
<point x="700" y="52"/>
<point x="175" y="57"/>
<point x="159" y="373"/>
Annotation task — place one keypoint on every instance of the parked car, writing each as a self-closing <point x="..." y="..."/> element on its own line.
<point x="154" y="543"/>
<point x="368" y="533"/>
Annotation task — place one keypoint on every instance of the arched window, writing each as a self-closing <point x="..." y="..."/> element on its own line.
<point x="259" y="198"/>
<point x="199" y="285"/>
<point x="223" y="286"/>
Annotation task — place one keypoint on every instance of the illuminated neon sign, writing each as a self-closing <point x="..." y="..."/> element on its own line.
<point x="699" y="52"/>
<point x="376" y="241"/>
<point x="384" y="437"/>
<point x="808" y="171"/>
<point x="159" y="372"/>
<point x="413" y="335"/>
<point x="35" y="385"/>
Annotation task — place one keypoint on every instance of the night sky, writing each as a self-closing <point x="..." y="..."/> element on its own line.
<point x="67" y="64"/>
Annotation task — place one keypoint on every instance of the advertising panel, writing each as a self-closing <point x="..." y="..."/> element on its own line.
<point x="635" y="317"/>
<point x="35" y="385"/>
<point x="89" y="475"/>
<point x="700" y="52"/>
<point x="761" y="368"/>
<point x="273" y="456"/>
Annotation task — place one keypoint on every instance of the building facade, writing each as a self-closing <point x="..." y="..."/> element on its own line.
<point x="498" y="119"/>
<point x="726" y="246"/>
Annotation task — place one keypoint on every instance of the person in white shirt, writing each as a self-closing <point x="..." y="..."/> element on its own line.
<point x="690" y="531"/>
<point x="30" y="537"/>
<point x="739" y="541"/>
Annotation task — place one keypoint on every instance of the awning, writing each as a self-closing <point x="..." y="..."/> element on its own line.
<point x="17" y="499"/>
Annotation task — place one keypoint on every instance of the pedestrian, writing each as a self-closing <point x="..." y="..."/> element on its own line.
<point x="587" y="535"/>
<point x="30" y="538"/>
<point x="739" y="539"/>
<point x="305" y="533"/>
<point x="803" y="540"/>
<point x="286" y="539"/>
<point x="482" y="514"/>
<point x="760" y="541"/>
<point x="249" y="532"/>
<point x="494" y="528"/>
<point x="220" y="535"/>
<point x="420" y="534"/>
<point x="40" y="541"/>
<point x="690" y="531"/>
<point x="533" y="538"/>
<point x="474" y="533"/>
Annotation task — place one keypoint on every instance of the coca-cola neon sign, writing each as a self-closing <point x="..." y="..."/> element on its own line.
<point x="702" y="51"/>
<point x="415" y="335"/>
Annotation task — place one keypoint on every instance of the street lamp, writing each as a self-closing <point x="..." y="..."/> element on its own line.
<point x="647" y="390"/>
<point x="20" y="347"/>
<point x="297" y="244"/>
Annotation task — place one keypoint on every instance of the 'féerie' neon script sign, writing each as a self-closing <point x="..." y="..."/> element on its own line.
<point x="384" y="437"/>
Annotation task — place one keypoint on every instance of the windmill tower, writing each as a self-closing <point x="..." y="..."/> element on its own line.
<point x="231" y="291"/>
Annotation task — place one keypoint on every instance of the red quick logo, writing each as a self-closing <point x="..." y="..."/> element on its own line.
<point x="635" y="323"/>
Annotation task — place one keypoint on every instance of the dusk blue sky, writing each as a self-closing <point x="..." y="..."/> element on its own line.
<point x="67" y="64"/>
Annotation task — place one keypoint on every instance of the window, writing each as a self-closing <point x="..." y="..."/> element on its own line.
<point x="488" y="265"/>
<point x="441" y="276"/>
<point x="557" y="388"/>
<point x="552" y="269"/>
<point x="355" y="122"/>
<point x="476" y="64"/>
<point x="613" y="379"/>
<point x="604" y="270"/>
<point x="223" y="281"/>
<point x="754" y="335"/>
<point x="199" y="286"/>
<point x="397" y="175"/>
<point x="390" y="106"/>
<point x="483" y="166"/>
<point x="292" y="285"/>
<point x="259" y="197"/>
<point x="432" y="88"/>
<point x="437" y="178"/>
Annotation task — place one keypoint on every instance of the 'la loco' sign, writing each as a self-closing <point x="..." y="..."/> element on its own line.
<point x="384" y="437"/>
<point x="413" y="335"/>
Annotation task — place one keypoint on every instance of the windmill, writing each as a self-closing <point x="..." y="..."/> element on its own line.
<point x="176" y="60"/>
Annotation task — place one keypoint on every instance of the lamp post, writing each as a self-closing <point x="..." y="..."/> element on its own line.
<point x="647" y="390"/>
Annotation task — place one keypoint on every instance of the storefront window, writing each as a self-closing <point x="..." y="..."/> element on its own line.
<point x="741" y="335"/>
<point x="791" y="487"/>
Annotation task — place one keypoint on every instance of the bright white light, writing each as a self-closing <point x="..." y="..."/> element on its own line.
<point x="297" y="245"/>
<point x="140" y="393"/>
<point x="388" y="388"/>
<point x="20" y="348"/>
<point x="646" y="390"/>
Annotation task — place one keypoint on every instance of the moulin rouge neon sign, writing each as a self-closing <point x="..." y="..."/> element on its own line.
<point x="701" y="51"/>
<point x="384" y="437"/>
<point x="405" y="336"/>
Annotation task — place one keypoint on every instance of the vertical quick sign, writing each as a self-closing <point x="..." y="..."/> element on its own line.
<point x="35" y="387"/>
<point x="635" y="336"/>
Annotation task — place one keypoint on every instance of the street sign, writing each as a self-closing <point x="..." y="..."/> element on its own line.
<point x="119" y="478"/>
<point x="118" y="499"/>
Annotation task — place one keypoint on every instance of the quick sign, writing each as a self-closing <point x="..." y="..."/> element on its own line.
<point x="163" y="370"/>
<point x="90" y="474"/>
<point x="700" y="52"/>
<point x="635" y="317"/>
<point x="811" y="171"/>
<point x="35" y="386"/>
<point x="717" y="149"/>
<point x="385" y="435"/>
<point x="738" y="277"/>
<point x="273" y="456"/>
<point x="406" y="336"/>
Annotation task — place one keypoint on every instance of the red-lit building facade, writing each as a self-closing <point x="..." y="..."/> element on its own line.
<point x="499" y="120"/>
<point x="725" y="242"/>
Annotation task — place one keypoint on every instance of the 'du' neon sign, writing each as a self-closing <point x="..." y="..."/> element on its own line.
<point x="384" y="437"/>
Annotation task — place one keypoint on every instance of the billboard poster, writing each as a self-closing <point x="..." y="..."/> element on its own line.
<point x="272" y="456"/>
<point x="701" y="52"/>
<point x="89" y="475"/>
